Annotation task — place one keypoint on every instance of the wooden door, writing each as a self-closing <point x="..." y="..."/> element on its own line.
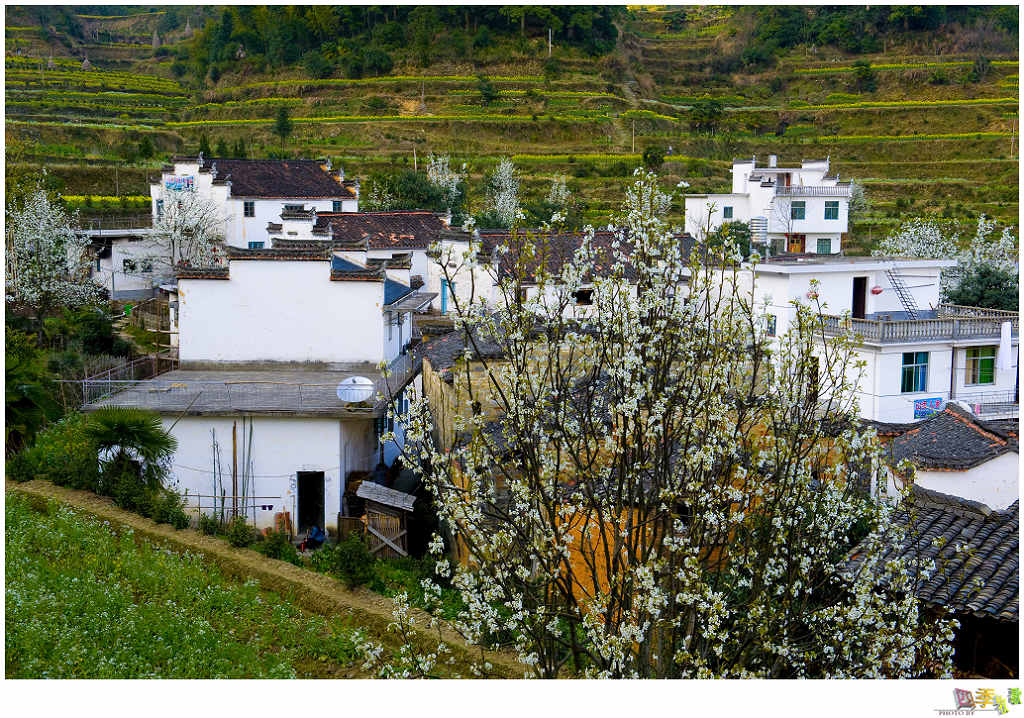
<point x="796" y="243"/>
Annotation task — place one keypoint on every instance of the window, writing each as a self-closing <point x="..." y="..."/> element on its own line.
<point x="249" y="209"/>
<point x="255" y="245"/>
<point x="147" y="266"/>
<point x="770" y="322"/>
<point x="824" y="245"/>
<point x="128" y="265"/>
<point x="159" y="208"/>
<point x="294" y="208"/>
<point x="584" y="297"/>
<point x="336" y="206"/>
<point x="726" y="212"/>
<point x="981" y="365"/>
<point x="832" y="210"/>
<point x="915" y="372"/>
<point x="797" y="210"/>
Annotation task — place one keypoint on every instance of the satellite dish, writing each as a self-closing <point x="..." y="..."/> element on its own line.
<point x="356" y="389"/>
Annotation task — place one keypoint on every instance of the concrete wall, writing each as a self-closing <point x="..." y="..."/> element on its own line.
<point x="995" y="483"/>
<point x="281" y="447"/>
<point x="281" y="311"/>
<point x="128" y="284"/>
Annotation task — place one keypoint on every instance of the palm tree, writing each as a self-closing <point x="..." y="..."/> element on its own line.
<point x="137" y="451"/>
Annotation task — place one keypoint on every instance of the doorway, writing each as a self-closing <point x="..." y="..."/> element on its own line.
<point x="860" y="297"/>
<point x="311" y="500"/>
<point x="796" y="243"/>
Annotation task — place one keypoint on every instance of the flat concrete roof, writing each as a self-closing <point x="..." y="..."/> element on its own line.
<point x="284" y="392"/>
<point x="840" y="263"/>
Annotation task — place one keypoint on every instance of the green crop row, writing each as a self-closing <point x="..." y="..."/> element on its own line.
<point x="897" y="66"/>
<point x="35" y="62"/>
<point x="287" y="101"/>
<point x="120" y="17"/>
<point x="105" y="201"/>
<point x="91" y="106"/>
<point x="143" y="99"/>
<point x="904" y="138"/>
<point x="392" y="118"/>
<point x="393" y="78"/>
<point x="93" y="77"/>
<point x="87" y="125"/>
<point x="902" y="103"/>
<point x="542" y="93"/>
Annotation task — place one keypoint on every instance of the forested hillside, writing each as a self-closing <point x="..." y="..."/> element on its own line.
<point x="920" y="103"/>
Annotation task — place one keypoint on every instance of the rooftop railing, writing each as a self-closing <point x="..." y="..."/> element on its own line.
<point x="813" y="191"/>
<point x="954" y="323"/>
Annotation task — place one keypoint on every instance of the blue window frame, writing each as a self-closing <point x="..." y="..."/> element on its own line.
<point x="915" y="372"/>
<point x="255" y="245"/>
<point x="444" y="296"/>
<point x="798" y="210"/>
<point x="336" y="206"/>
<point x="249" y="209"/>
<point x="832" y="210"/>
<point x="824" y="245"/>
<point x="726" y="212"/>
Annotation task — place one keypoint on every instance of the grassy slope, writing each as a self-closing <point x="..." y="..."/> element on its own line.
<point x="83" y="601"/>
<point x="924" y="138"/>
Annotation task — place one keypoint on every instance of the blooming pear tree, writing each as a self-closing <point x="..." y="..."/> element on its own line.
<point x="926" y="238"/>
<point x="660" y="489"/>
<point x="503" y="193"/>
<point x="441" y="175"/>
<point x="47" y="260"/>
<point x="189" y="229"/>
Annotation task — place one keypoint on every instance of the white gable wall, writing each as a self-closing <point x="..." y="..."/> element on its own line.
<point x="276" y="310"/>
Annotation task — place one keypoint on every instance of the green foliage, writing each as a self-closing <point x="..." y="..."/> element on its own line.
<point x="62" y="453"/>
<point x="283" y="124"/>
<point x="132" y="438"/>
<point x="981" y="69"/>
<point x="146" y="148"/>
<point x="239" y="150"/>
<point x="351" y="560"/>
<point x="208" y="525"/>
<point x="654" y="156"/>
<point x="204" y="145"/>
<point x="736" y="232"/>
<point x="706" y="114"/>
<point x="488" y="93"/>
<point x="221" y="149"/>
<point x="276" y="544"/>
<point x="987" y="287"/>
<point x="316" y="65"/>
<point x="173" y="615"/>
<point x="239" y="533"/>
<point x="29" y="391"/>
<point x="864" y="78"/>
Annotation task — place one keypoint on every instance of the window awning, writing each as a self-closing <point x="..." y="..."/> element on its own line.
<point x="411" y="302"/>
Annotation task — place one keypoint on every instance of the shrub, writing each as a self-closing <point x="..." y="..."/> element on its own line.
<point x="276" y="544"/>
<point x="352" y="561"/>
<point x="654" y="157"/>
<point x="239" y="533"/>
<point x="208" y="525"/>
<point x="62" y="453"/>
<point x="168" y="507"/>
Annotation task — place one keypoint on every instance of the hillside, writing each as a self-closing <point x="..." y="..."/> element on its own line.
<point x="930" y="127"/>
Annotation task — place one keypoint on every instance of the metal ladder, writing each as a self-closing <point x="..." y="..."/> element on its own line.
<point x="906" y="298"/>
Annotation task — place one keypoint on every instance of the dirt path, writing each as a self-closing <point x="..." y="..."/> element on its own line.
<point x="314" y="592"/>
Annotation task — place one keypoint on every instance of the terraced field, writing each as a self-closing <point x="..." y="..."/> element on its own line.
<point x="925" y="141"/>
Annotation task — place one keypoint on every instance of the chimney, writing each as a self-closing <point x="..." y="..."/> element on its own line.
<point x="773" y="160"/>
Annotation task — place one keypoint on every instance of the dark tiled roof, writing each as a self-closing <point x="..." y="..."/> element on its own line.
<point x="443" y="352"/>
<point x="554" y="250"/>
<point x="201" y="272"/>
<point x="383" y="230"/>
<point x="280" y="254"/>
<point x="278" y="178"/>
<point x="344" y="270"/>
<point x="953" y="439"/>
<point x="975" y="550"/>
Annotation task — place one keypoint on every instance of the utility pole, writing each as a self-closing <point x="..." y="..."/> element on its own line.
<point x="234" y="469"/>
<point x="549" y="42"/>
<point x="1013" y="135"/>
<point x="415" y="165"/>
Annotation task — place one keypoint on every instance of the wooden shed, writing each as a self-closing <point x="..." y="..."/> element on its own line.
<point x="386" y="519"/>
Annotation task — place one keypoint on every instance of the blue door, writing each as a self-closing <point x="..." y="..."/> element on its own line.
<point x="444" y="296"/>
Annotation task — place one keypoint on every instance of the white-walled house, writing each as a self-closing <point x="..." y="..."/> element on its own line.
<point x="128" y="263"/>
<point x="919" y="354"/>
<point x="252" y="194"/>
<point x="794" y="210"/>
<point x="405" y="234"/>
<point x="956" y="454"/>
<point x="274" y="348"/>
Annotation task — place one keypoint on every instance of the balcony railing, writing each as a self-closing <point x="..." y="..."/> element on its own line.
<point x="813" y="191"/>
<point x="874" y="331"/>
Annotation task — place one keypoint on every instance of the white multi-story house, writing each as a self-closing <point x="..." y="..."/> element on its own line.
<point x="252" y="194"/>
<point x="919" y="353"/>
<point x="278" y="394"/>
<point x="794" y="210"/>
